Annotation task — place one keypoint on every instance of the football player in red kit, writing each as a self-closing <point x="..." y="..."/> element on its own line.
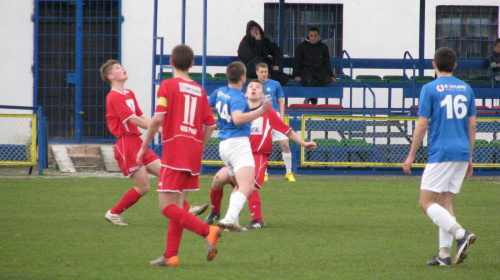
<point x="123" y="116"/>
<point x="187" y="125"/>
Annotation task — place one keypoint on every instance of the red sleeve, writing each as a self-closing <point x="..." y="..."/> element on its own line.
<point x="277" y="123"/>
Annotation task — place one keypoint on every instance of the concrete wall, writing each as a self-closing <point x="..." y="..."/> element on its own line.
<point x="372" y="29"/>
<point x="16" y="53"/>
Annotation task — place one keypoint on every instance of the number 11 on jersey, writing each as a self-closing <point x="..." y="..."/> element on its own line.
<point x="189" y="109"/>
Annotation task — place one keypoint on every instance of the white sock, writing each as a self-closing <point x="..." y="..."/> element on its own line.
<point x="445" y="252"/>
<point x="236" y="203"/>
<point x="287" y="158"/>
<point x="445" y="242"/>
<point x="459" y="234"/>
<point x="440" y="217"/>
<point x="445" y="238"/>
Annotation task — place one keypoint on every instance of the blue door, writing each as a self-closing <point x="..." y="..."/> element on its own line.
<point x="72" y="40"/>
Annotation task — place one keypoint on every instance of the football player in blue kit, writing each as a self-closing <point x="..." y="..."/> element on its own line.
<point x="447" y="109"/>
<point x="234" y="117"/>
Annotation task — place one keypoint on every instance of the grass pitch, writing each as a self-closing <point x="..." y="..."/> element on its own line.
<point x="317" y="228"/>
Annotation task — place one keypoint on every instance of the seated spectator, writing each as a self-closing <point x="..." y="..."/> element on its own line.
<point x="311" y="64"/>
<point x="494" y="69"/>
<point x="255" y="47"/>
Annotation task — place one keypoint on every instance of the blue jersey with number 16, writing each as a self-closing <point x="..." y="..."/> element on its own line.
<point x="226" y="101"/>
<point x="448" y="102"/>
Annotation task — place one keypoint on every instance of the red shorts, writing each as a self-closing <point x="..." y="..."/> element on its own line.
<point x="260" y="169"/>
<point x="172" y="180"/>
<point x="126" y="149"/>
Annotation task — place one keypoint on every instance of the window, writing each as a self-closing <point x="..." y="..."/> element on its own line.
<point x="298" y="18"/>
<point x="71" y="43"/>
<point x="468" y="30"/>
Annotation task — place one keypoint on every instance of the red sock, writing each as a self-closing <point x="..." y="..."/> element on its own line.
<point x="185" y="206"/>
<point x="185" y="220"/>
<point x="254" y="205"/>
<point x="216" y="199"/>
<point x="174" y="235"/>
<point x="128" y="199"/>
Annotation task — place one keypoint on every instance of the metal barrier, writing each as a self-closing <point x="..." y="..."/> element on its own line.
<point x="382" y="141"/>
<point x="25" y="135"/>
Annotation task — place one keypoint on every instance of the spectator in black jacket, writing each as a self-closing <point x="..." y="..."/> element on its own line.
<point x="494" y="70"/>
<point x="311" y="64"/>
<point x="255" y="47"/>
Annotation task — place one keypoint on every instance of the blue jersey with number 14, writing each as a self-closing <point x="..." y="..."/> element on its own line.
<point x="226" y="101"/>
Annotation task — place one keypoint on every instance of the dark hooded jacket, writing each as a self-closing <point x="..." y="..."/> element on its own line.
<point x="495" y="58"/>
<point x="250" y="48"/>
<point x="311" y="56"/>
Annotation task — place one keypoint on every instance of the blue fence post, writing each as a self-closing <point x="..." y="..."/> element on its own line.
<point x="42" y="142"/>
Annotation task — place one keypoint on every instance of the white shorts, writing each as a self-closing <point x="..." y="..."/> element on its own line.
<point x="444" y="176"/>
<point x="236" y="153"/>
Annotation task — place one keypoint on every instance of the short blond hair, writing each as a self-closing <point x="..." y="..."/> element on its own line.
<point x="106" y="69"/>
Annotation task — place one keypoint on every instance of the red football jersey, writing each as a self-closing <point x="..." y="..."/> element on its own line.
<point x="260" y="138"/>
<point x="120" y="106"/>
<point x="186" y="109"/>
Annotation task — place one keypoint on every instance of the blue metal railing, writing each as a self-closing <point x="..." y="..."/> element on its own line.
<point x="344" y="52"/>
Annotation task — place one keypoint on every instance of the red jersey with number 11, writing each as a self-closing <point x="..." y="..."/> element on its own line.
<point x="186" y="109"/>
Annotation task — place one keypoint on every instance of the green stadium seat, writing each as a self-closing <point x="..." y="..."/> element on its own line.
<point x="358" y="150"/>
<point x="355" y="143"/>
<point x="325" y="151"/>
<point x="369" y="79"/>
<point x="326" y="142"/>
<point x="395" y="79"/>
<point x="476" y="80"/>
<point x="422" y="79"/>
<point x="481" y="143"/>
<point x="198" y="76"/>
<point x="495" y="143"/>
<point x="166" y="75"/>
<point x="220" y="76"/>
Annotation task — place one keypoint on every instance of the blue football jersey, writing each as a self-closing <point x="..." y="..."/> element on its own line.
<point x="273" y="91"/>
<point x="226" y="101"/>
<point x="448" y="103"/>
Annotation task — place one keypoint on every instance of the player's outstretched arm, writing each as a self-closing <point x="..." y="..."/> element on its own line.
<point x="141" y="121"/>
<point x="296" y="138"/>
